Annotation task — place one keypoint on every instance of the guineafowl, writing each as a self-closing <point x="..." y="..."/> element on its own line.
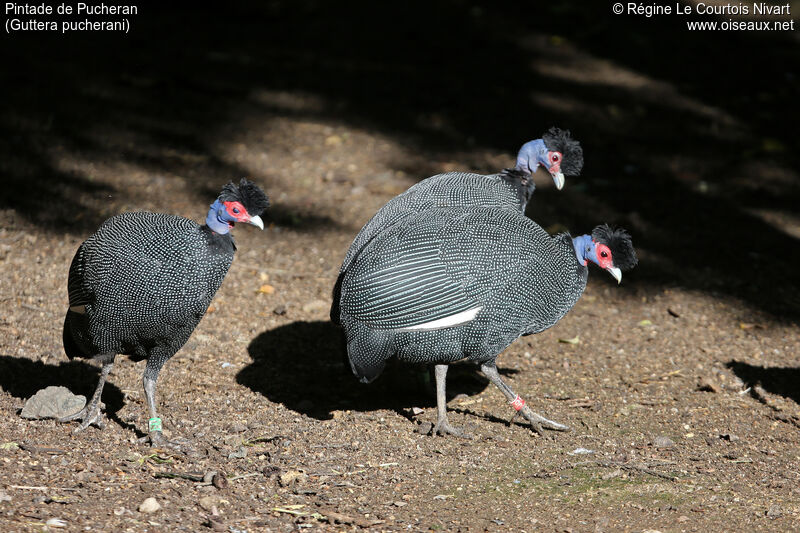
<point x="141" y="284"/>
<point x="511" y="188"/>
<point x="464" y="283"/>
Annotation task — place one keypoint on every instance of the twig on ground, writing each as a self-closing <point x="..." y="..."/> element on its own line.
<point x="629" y="467"/>
<point x="36" y="449"/>
<point x="42" y="488"/>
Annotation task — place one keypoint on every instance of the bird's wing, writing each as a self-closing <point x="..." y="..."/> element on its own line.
<point x="448" y="190"/>
<point x="80" y="292"/>
<point x="438" y="267"/>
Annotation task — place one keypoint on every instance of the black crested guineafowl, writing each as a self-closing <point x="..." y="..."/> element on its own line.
<point x="140" y="285"/>
<point x="557" y="152"/>
<point x="464" y="283"/>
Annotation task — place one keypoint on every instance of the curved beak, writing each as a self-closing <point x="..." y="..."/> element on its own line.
<point x="558" y="178"/>
<point x="256" y="221"/>
<point x="616" y="273"/>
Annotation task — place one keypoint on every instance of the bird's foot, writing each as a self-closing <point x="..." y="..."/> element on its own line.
<point x="538" y="422"/>
<point x="90" y="415"/>
<point x="443" y="427"/>
<point x="158" y="440"/>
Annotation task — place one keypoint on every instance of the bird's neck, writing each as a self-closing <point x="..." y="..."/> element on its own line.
<point x="583" y="248"/>
<point x="530" y="154"/>
<point x="214" y="220"/>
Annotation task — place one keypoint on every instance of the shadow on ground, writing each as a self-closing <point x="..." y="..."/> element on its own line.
<point x="303" y="366"/>
<point x="22" y="378"/>
<point x="690" y="151"/>
<point x="782" y="381"/>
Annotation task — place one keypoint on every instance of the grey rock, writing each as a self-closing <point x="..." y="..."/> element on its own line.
<point x="150" y="505"/>
<point x="663" y="442"/>
<point x="52" y="402"/>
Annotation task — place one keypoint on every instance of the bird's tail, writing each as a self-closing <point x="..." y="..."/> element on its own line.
<point x="368" y="350"/>
<point x="73" y="322"/>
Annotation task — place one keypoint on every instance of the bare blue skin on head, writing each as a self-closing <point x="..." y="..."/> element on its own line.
<point x="584" y="248"/>
<point x="218" y="218"/>
<point x="535" y="153"/>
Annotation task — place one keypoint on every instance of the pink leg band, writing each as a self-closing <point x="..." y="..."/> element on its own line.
<point x="517" y="403"/>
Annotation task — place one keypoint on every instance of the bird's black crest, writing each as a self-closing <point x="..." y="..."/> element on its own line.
<point x="558" y="140"/>
<point x="618" y="240"/>
<point x="248" y="193"/>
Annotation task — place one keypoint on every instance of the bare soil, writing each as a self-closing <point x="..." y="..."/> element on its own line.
<point x="681" y="385"/>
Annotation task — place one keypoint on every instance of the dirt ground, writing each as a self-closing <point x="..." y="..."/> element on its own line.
<point x="681" y="385"/>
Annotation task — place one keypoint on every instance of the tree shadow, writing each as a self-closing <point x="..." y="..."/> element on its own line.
<point x="22" y="378"/>
<point x="783" y="381"/>
<point x="683" y="145"/>
<point x="303" y="365"/>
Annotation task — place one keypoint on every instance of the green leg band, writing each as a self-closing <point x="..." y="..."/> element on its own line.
<point x="155" y="424"/>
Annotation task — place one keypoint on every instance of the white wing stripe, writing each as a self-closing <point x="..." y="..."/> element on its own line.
<point x="447" y="322"/>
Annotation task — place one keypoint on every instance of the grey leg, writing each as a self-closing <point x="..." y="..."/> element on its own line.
<point x="537" y="421"/>
<point x="91" y="414"/>
<point x="154" y="424"/>
<point x="155" y="435"/>
<point x="442" y="426"/>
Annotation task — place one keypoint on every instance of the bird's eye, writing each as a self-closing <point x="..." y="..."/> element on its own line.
<point x="235" y="210"/>
<point x="555" y="157"/>
<point x="603" y="254"/>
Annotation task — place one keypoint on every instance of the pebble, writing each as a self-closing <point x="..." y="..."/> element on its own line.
<point x="774" y="511"/>
<point x="4" y="497"/>
<point x="292" y="476"/>
<point x="316" y="306"/>
<point x="663" y="442"/>
<point x="150" y="505"/>
<point x="52" y="402"/>
<point x="241" y="453"/>
<point x="208" y="503"/>
<point x="56" y="522"/>
<point x="581" y="451"/>
<point x="424" y="428"/>
<point x="707" y="385"/>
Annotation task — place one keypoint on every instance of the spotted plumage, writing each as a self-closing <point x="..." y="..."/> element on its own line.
<point x="493" y="273"/>
<point x="510" y="189"/>
<point x="141" y="283"/>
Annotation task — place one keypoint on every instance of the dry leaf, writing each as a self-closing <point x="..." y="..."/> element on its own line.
<point x="266" y="289"/>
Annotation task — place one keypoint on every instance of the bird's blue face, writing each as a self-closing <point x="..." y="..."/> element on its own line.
<point x="598" y="253"/>
<point x="223" y="215"/>
<point x="535" y="153"/>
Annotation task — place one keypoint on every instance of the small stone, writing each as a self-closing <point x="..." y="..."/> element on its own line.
<point x="729" y="437"/>
<point x="706" y="385"/>
<point x="292" y="477"/>
<point x="207" y="503"/>
<point x="280" y="310"/>
<point x="424" y="428"/>
<point x="56" y="522"/>
<point x="774" y="511"/>
<point x="663" y="442"/>
<point x="150" y="505"/>
<point x="581" y="451"/>
<point x="417" y="411"/>
<point x="219" y="481"/>
<point x="52" y="402"/>
<point x="683" y="518"/>
<point x="316" y="306"/>
<point x="241" y="453"/>
<point x="217" y="524"/>
<point x="4" y="497"/>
